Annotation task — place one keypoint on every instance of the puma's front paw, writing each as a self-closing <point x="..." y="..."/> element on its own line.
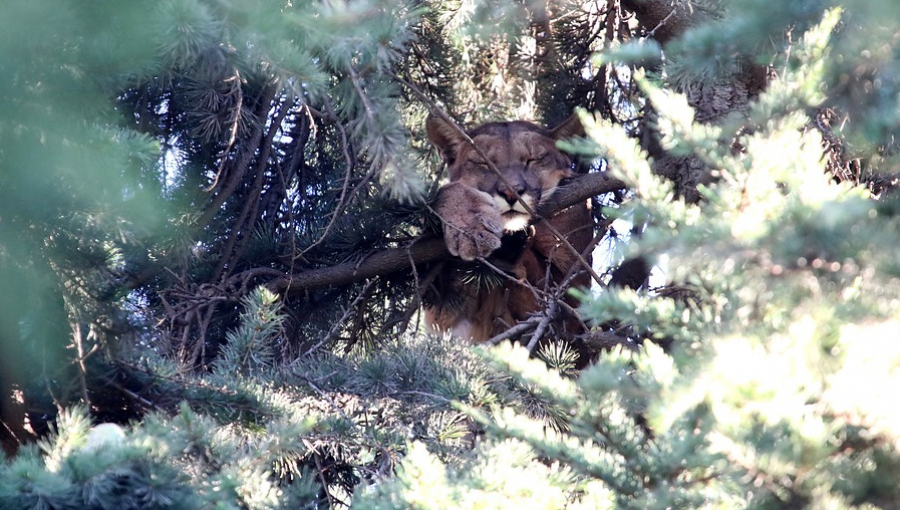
<point x="472" y="223"/>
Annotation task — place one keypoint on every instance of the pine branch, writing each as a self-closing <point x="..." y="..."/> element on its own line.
<point x="428" y="249"/>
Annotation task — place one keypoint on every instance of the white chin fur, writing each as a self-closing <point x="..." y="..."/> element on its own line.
<point x="515" y="222"/>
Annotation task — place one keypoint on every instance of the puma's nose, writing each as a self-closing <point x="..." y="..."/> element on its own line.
<point x="510" y="194"/>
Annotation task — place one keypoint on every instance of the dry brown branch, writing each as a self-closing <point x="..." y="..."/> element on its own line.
<point x="541" y="328"/>
<point x="515" y="331"/>
<point x="235" y="81"/>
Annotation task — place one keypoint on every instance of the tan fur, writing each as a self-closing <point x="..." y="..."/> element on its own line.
<point x="479" y="210"/>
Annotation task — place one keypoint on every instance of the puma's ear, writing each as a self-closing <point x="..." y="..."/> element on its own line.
<point x="569" y="128"/>
<point x="444" y="136"/>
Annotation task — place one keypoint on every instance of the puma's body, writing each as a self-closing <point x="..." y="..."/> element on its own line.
<point x="483" y="217"/>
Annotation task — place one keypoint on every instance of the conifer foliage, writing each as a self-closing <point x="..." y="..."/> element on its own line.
<point x="216" y="237"/>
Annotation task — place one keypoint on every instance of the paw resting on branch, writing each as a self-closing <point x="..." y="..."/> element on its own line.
<point x="472" y="223"/>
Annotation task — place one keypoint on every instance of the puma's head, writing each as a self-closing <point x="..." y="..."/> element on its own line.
<point x="524" y="154"/>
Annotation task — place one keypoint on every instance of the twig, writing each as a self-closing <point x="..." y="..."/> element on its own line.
<point x="337" y="325"/>
<point x="324" y="483"/>
<point x="234" y="128"/>
<point x="134" y="396"/>
<point x="202" y="325"/>
<point x="421" y="288"/>
<point x="542" y="325"/>
<point x="513" y="332"/>
<point x="342" y="201"/>
<point x="245" y="219"/>
<point x="82" y="369"/>
<point x="239" y="167"/>
<point x="534" y="290"/>
<point x="663" y="22"/>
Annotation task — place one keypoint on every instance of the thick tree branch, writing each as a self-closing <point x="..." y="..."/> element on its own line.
<point x="429" y="249"/>
<point x="578" y="190"/>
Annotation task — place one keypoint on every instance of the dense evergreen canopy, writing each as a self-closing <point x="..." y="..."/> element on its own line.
<point x="216" y="238"/>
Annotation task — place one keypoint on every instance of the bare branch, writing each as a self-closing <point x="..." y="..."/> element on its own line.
<point x="514" y="332"/>
<point x="549" y="313"/>
<point x="235" y="81"/>
<point x="343" y="199"/>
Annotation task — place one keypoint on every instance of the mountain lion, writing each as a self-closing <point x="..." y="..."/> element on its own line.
<point x="483" y="217"/>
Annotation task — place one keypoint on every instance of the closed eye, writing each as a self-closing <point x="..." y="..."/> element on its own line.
<point x="538" y="159"/>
